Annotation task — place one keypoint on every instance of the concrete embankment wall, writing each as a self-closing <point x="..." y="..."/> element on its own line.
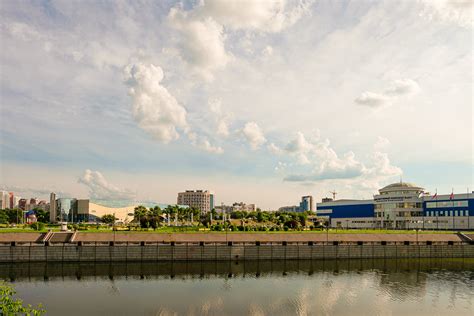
<point x="97" y="252"/>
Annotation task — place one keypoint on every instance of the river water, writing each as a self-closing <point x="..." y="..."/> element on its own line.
<point x="352" y="287"/>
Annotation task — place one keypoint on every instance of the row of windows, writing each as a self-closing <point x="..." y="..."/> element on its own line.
<point x="400" y="192"/>
<point x="387" y="206"/>
<point x="447" y="204"/>
<point x="448" y="213"/>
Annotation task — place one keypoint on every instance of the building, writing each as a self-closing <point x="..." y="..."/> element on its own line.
<point x="401" y="206"/>
<point x="200" y="199"/>
<point x="241" y="206"/>
<point x="22" y="204"/>
<point x="237" y="206"/>
<point x="4" y="200"/>
<point x="305" y="205"/>
<point x="52" y="208"/>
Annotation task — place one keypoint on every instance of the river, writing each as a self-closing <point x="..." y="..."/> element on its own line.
<point x="350" y="287"/>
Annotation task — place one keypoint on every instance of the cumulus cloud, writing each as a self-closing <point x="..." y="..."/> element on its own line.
<point x="154" y="108"/>
<point x="265" y="16"/>
<point x="381" y="143"/>
<point x="254" y="135"/>
<point x="397" y="88"/>
<point x="274" y="149"/>
<point x="201" y="42"/>
<point x="326" y="164"/>
<point x="221" y="118"/>
<point x="402" y="87"/>
<point x="372" y="99"/>
<point x="203" y="29"/>
<point x="100" y="188"/>
<point x="203" y="143"/>
<point x="459" y="12"/>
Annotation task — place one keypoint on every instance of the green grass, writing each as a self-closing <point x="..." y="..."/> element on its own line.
<point x="195" y="230"/>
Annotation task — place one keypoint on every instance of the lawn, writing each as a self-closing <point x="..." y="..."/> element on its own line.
<point x="171" y="229"/>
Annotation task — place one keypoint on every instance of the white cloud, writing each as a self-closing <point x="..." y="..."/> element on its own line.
<point x="203" y="29"/>
<point x="201" y="42"/>
<point x="154" y="108"/>
<point x="253" y="134"/>
<point x="397" y="88"/>
<point x="381" y="143"/>
<point x="274" y="149"/>
<point x="265" y="16"/>
<point x="299" y="144"/>
<point x="402" y="87"/>
<point x="203" y="143"/>
<point x="459" y="12"/>
<point x="100" y="188"/>
<point x="372" y="99"/>
<point x="221" y="118"/>
<point x="326" y="164"/>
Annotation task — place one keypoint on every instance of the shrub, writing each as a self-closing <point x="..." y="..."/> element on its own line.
<point x="37" y="226"/>
<point x="13" y="306"/>
<point x="286" y="228"/>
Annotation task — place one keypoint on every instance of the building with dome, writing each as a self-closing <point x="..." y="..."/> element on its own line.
<point x="401" y="205"/>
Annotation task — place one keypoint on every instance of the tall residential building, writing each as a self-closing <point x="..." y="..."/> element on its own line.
<point x="5" y="200"/>
<point x="53" y="215"/>
<point x="11" y="200"/>
<point x="200" y="199"/>
<point x="306" y="204"/>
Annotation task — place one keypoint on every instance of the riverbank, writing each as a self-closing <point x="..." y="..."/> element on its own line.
<point x="192" y="237"/>
<point x="100" y="247"/>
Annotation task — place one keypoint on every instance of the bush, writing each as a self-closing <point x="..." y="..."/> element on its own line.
<point x="37" y="226"/>
<point x="286" y="228"/>
<point x="12" y="306"/>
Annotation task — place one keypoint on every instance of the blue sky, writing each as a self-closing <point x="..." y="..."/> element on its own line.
<point x="261" y="101"/>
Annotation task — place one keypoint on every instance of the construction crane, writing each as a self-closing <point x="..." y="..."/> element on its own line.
<point x="333" y="194"/>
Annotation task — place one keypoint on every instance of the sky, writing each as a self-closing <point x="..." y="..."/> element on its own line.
<point x="259" y="101"/>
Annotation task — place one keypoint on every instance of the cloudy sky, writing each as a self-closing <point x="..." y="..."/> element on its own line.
<point x="260" y="101"/>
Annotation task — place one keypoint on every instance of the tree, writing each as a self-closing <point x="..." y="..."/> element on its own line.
<point x="139" y="212"/>
<point x="41" y="215"/>
<point x="3" y="217"/>
<point x="108" y="219"/>
<point x="12" y="306"/>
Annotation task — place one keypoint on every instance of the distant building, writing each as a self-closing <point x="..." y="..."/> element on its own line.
<point x="52" y="208"/>
<point x="22" y="204"/>
<point x="4" y="200"/>
<point x="237" y="206"/>
<point x="11" y="200"/>
<point x="243" y="207"/>
<point x="292" y="208"/>
<point x="306" y="204"/>
<point x="200" y="199"/>
<point x="402" y="206"/>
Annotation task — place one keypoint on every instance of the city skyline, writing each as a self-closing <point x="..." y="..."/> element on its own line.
<point x="266" y="104"/>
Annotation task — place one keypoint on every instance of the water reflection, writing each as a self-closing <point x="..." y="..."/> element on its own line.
<point x="351" y="287"/>
<point x="392" y="271"/>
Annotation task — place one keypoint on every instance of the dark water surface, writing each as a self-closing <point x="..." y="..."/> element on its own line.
<point x="352" y="287"/>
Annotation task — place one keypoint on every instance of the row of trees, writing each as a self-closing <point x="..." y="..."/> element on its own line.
<point x="16" y="216"/>
<point x="154" y="217"/>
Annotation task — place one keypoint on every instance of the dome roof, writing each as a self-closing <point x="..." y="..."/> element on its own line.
<point x="400" y="185"/>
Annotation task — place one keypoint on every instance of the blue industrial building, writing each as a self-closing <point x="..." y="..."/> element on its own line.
<point x="401" y="206"/>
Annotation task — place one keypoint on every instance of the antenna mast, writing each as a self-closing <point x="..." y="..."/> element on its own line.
<point x="333" y="194"/>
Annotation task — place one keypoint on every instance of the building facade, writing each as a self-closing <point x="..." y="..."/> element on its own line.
<point x="200" y="199"/>
<point x="402" y="206"/>
<point x="305" y="205"/>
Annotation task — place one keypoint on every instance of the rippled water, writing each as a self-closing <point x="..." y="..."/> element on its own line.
<point x="354" y="287"/>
